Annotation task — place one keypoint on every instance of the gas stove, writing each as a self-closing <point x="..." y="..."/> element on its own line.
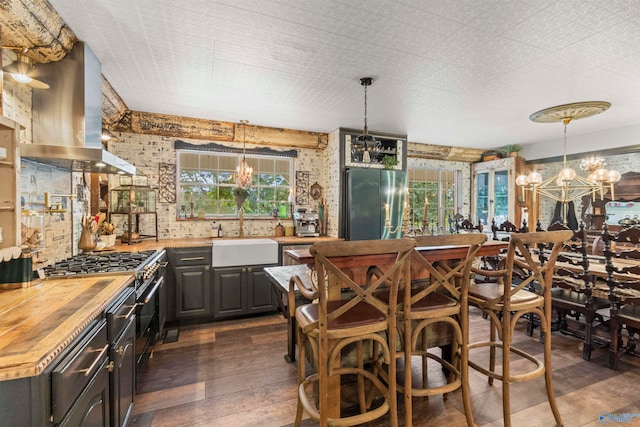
<point x="148" y="269"/>
<point x="97" y="263"/>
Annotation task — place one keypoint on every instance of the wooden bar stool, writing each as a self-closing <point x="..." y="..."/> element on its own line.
<point x="442" y="300"/>
<point x="507" y="301"/>
<point x="349" y="314"/>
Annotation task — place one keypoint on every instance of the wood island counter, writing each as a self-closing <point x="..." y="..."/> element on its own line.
<point x="39" y="322"/>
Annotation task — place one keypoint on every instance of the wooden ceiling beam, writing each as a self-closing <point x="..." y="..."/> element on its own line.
<point x="188" y="127"/>
<point x="441" y="152"/>
<point x="37" y="26"/>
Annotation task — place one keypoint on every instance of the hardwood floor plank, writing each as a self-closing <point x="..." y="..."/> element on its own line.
<point x="149" y="402"/>
<point x="233" y="374"/>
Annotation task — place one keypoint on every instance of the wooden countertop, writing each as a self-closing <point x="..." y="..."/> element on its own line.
<point x="39" y="322"/>
<point x="185" y="243"/>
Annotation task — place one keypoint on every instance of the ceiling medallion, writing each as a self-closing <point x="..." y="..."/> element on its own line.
<point x="574" y="111"/>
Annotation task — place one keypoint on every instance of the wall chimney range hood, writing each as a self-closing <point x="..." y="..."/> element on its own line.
<point x="67" y="118"/>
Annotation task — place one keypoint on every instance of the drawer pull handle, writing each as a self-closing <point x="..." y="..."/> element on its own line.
<point x="193" y="258"/>
<point x="120" y="350"/>
<point x="126" y="316"/>
<point x="87" y="371"/>
<point x="110" y="366"/>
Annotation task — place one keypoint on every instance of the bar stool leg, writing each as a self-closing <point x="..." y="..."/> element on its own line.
<point x="506" y="372"/>
<point x="546" y="324"/>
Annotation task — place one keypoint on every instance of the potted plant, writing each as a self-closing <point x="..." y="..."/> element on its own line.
<point x="389" y="162"/>
<point x="240" y="194"/>
<point x="511" y="150"/>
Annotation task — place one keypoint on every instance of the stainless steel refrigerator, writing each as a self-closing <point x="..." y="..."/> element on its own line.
<point x="371" y="193"/>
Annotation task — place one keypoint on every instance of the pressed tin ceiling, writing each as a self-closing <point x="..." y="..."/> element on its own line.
<point x="461" y="72"/>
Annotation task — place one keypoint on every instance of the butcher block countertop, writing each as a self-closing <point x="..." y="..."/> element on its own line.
<point x="39" y="322"/>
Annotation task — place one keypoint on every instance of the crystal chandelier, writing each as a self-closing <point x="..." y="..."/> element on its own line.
<point x="568" y="186"/>
<point x="244" y="171"/>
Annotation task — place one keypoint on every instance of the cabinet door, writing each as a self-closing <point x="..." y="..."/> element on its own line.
<point x="193" y="292"/>
<point x="261" y="297"/>
<point x="123" y="376"/>
<point x="229" y="292"/>
<point x="92" y="407"/>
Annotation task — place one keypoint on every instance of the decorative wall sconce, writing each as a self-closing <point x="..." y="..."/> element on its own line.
<point x="52" y="208"/>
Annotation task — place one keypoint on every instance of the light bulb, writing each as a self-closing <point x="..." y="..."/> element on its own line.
<point x="567" y="174"/>
<point x="601" y="175"/>
<point x="614" y="176"/>
<point x="21" y="78"/>
<point x="534" y="178"/>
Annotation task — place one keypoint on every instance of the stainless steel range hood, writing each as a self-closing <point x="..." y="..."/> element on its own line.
<point x="67" y="118"/>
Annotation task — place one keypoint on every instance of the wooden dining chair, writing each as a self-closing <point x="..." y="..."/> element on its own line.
<point x="572" y="291"/>
<point x="467" y="226"/>
<point x="506" y="301"/>
<point x="441" y="300"/>
<point x="346" y="315"/>
<point x="623" y="278"/>
<point x="504" y="230"/>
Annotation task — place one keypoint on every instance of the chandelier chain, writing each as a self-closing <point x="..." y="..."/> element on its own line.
<point x="365" y="110"/>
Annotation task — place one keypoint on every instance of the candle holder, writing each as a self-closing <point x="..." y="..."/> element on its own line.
<point x="192" y="216"/>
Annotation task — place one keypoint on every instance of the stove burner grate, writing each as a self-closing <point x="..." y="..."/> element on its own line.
<point x="102" y="263"/>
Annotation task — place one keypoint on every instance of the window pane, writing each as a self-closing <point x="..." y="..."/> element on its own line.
<point x="210" y="177"/>
<point x="436" y="189"/>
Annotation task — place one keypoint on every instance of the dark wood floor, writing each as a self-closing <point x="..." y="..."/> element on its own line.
<point x="233" y="374"/>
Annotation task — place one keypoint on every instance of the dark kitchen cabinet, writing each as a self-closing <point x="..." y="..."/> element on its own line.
<point x="80" y="382"/>
<point x="89" y="383"/>
<point x="188" y="290"/>
<point x="193" y="291"/>
<point x="92" y="407"/>
<point x="123" y="357"/>
<point x="228" y="294"/>
<point x="239" y="291"/>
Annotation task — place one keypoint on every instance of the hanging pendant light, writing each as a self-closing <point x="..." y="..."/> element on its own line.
<point x="23" y="71"/>
<point x="370" y="143"/>
<point x="244" y="171"/>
